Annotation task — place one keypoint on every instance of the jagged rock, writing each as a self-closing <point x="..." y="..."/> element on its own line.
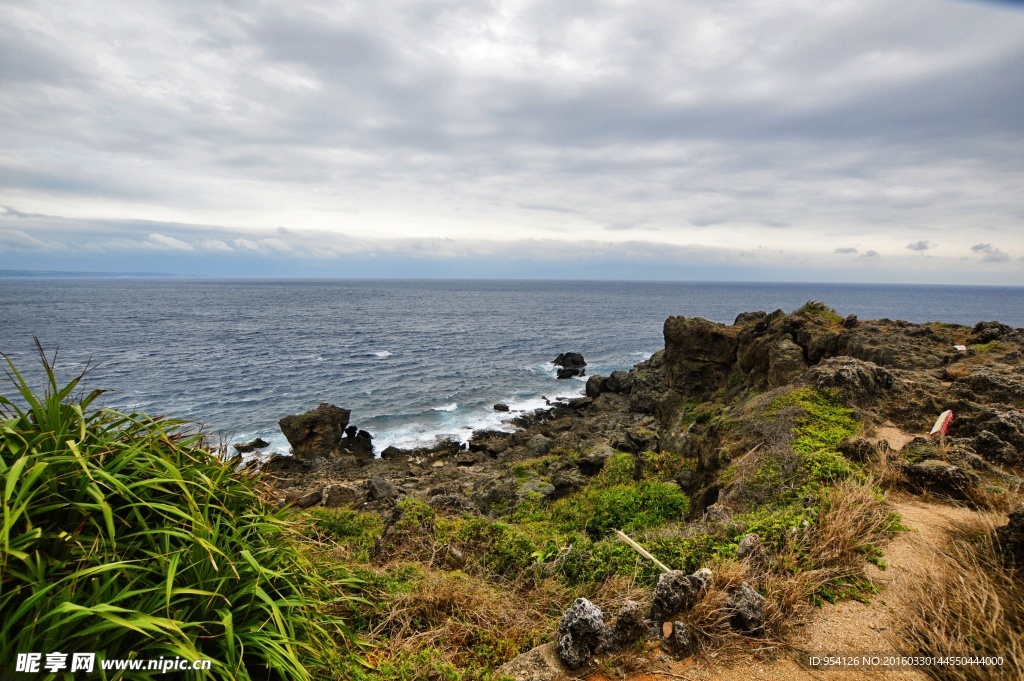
<point x="595" y="385"/>
<point x="452" y="503"/>
<point x="1011" y="537"/>
<point x="649" y="386"/>
<point x="251" y="446"/>
<point x="747" y="609"/>
<point x="940" y="478"/>
<point x="358" y="443"/>
<point x="817" y="342"/>
<point x="702" y="580"/>
<point x="335" y="495"/>
<point x="718" y="512"/>
<point x="859" y="381"/>
<point x="676" y="592"/>
<point x="317" y="432"/>
<point x="620" y="382"/>
<point x="986" y="332"/>
<point x="278" y="463"/>
<point x="857" y="449"/>
<point x="380" y="489"/>
<point x="501" y="406"/>
<point x="580" y="633"/>
<point x="749" y="318"/>
<point x="679" y="643"/>
<point x="785" y="362"/>
<point x="630" y="626"/>
<point x="752" y="550"/>
<point x="851" y="321"/>
<point x="698" y="355"/>
<point x="1007" y="426"/>
<point x="985" y="384"/>
<point x="467" y="458"/>
<point x="570" y="372"/>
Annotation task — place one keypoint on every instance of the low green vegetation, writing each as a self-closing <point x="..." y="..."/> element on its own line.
<point x="125" y="536"/>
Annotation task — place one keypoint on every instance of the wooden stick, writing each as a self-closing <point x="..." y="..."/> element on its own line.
<point x="642" y="551"/>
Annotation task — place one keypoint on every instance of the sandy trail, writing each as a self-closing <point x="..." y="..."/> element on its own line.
<point x="849" y="627"/>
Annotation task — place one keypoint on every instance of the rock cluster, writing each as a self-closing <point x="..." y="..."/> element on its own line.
<point x="325" y="431"/>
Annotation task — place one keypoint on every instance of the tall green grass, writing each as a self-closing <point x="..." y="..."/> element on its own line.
<point x="126" y="536"/>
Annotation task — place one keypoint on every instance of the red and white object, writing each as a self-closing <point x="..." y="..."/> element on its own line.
<point x="942" y="424"/>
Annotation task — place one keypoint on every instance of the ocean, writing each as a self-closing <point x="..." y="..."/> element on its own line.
<point x="413" y="360"/>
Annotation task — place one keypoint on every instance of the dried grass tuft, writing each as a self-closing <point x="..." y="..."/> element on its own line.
<point x="967" y="603"/>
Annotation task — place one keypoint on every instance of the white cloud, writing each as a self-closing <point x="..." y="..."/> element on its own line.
<point x="169" y="243"/>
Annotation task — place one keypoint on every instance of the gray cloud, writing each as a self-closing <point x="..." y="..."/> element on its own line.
<point x="920" y="246"/>
<point x="845" y="250"/>
<point x="989" y="253"/>
<point x="710" y="124"/>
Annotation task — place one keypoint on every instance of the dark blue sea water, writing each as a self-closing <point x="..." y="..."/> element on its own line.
<point x="411" y="359"/>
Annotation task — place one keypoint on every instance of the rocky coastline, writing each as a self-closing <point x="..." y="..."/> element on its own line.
<point x="722" y="404"/>
<point x="895" y="373"/>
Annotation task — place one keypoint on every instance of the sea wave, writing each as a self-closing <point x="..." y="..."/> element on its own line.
<point x="451" y="406"/>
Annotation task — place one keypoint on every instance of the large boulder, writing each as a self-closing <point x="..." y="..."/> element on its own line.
<point x="317" y="432"/>
<point x="580" y="633"/>
<point x="785" y="362"/>
<point x="679" y="643"/>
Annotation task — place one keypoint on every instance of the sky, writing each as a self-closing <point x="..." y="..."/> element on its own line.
<point x="737" y="140"/>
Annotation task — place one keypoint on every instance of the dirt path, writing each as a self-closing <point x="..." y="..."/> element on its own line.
<point x="847" y="628"/>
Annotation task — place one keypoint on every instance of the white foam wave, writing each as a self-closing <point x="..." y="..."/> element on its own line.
<point x="452" y="406"/>
<point x="383" y="353"/>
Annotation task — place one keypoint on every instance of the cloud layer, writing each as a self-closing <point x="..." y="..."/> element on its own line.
<point x="832" y="130"/>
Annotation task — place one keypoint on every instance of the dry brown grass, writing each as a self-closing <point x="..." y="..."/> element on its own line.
<point x="461" y="616"/>
<point x="967" y="603"/>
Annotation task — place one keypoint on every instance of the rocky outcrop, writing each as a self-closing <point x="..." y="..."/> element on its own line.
<point x="570" y="364"/>
<point x="698" y="355"/>
<point x="317" y="432"/>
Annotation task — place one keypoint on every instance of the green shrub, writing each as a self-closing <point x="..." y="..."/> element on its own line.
<point x="599" y="510"/>
<point x="123" y="535"/>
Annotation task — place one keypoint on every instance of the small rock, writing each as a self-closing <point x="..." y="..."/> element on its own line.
<point x="747" y="608"/>
<point x="539" y="445"/>
<point x="335" y="495"/>
<point x="544" y="489"/>
<point x="702" y="579"/>
<point x="857" y="449"/>
<point x="570" y="372"/>
<point x="752" y="550"/>
<point x="580" y="633"/>
<point x="501" y="406"/>
<point x="850" y="322"/>
<point x="381" y="490"/>
<point x="679" y="644"/>
<point x="308" y="499"/>
<point x="251" y="446"/>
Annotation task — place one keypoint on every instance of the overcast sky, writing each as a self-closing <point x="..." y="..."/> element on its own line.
<point x="793" y="140"/>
